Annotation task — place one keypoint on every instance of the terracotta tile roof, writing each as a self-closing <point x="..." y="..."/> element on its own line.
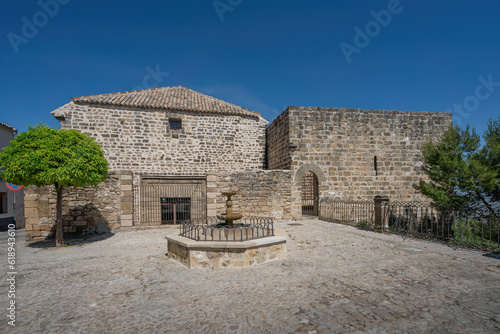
<point x="176" y="98"/>
<point x="8" y="127"/>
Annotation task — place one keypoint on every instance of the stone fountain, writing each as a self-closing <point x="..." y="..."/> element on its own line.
<point x="229" y="217"/>
<point x="219" y="242"/>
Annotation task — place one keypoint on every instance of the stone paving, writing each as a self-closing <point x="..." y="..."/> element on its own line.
<point x="336" y="279"/>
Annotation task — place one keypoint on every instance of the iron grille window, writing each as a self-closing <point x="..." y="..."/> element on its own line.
<point x="175" y="209"/>
<point x="175" y="124"/>
<point x="187" y="195"/>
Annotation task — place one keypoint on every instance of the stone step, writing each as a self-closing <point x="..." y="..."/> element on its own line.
<point x="308" y="218"/>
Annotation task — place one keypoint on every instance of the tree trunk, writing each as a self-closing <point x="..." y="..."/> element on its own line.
<point x="59" y="225"/>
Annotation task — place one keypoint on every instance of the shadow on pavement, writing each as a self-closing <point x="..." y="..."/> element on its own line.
<point x="71" y="240"/>
<point x="493" y="255"/>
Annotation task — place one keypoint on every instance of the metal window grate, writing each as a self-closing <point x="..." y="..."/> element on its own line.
<point x="175" y="209"/>
<point x="175" y="124"/>
<point x="171" y="201"/>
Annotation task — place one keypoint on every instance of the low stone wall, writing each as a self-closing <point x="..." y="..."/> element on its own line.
<point x="220" y="254"/>
<point x="260" y="193"/>
<point x="113" y="203"/>
<point x="85" y="209"/>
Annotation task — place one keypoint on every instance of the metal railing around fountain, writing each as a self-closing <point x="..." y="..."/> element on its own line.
<point x="215" y="229"/>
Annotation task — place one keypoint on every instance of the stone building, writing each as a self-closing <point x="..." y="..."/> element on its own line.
<point x="172" y="151"/>
<point x="350" y="153"/>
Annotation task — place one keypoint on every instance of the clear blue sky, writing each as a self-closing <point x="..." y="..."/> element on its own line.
<point x="263" y="55"/>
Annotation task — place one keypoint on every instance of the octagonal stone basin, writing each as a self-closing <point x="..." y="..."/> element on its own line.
<point x="221" y="254"/>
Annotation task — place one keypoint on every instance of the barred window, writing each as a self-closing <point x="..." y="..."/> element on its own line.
<point x="175" y="124"/>
<point x="175" y="209"/>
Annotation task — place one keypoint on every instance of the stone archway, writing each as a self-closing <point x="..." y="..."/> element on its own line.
<point x="306" y="201"/>
<point x="309" y="168"/>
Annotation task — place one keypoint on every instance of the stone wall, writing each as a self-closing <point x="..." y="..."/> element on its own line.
<point x="19" y="208"/>
<point x="278" y="143"/>
<point x="260" y="193"/>
<point x="85" y="209"/>
<point x="339" y="146"/>
<point x="141" y="141"/>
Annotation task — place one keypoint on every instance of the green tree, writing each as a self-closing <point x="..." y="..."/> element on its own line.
<point x="460" y="171"/>
<point x="489" y="160"/>
<point x="48" y="156"/>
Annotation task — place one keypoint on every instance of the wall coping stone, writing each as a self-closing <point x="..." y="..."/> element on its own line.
<point x="249" y="244"/>
<point x="365" y="110"/>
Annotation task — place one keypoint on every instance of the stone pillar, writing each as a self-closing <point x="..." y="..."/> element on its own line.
<point x="211" y="194"/>
<point x="31" y="214"/>
<point x="19" y="208"/>
<point x="380" y="213"/>
<point x="126" y="199"/>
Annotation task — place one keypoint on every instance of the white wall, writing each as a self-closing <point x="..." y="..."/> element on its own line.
<point x="5" y="136"/>
<point x="10" y="201"/>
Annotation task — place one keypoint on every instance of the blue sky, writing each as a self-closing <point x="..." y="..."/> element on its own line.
<point x="420" y="55"/>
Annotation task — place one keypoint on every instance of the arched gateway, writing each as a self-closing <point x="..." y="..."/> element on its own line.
<point x="310" y="194"/>
<point x="307" y="181"/>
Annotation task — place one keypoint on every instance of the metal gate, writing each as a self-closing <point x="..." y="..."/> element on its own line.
<point x="310" y="194"/>
<point x="171" y="201"/>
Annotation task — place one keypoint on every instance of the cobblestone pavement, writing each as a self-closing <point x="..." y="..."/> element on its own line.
<point x="336" y="279"/>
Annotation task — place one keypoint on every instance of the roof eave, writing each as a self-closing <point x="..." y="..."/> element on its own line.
<point x="8" y="127"/>
<point x="247" y="113"/>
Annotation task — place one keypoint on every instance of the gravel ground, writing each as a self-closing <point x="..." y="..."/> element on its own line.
<point x="336" y="279"/>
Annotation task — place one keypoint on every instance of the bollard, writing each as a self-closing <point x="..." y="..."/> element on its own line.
<point x="380" y="213"/>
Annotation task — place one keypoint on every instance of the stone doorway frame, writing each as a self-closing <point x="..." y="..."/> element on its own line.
<point x="296" y="190"/>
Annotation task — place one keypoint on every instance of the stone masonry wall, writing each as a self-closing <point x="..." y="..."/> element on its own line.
<point x="19" y="208"/>
<point x="278" y="143"/>
<point x="340" y="145"/>
<point x="141" y="141"/>
<point x="85" y="209"/>
<point x="260" y="193"/>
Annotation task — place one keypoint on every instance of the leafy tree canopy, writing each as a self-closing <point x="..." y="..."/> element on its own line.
<point x="489" y="157"/>
<point x="45" y="155"/>
<point x="460" y="171"/>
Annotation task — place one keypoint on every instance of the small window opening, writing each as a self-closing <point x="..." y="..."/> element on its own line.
<point x="174" y="210"/>
<point x="375" y="165"/>
<point x="3" y="203"/>
<point x="175" y="124"/>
